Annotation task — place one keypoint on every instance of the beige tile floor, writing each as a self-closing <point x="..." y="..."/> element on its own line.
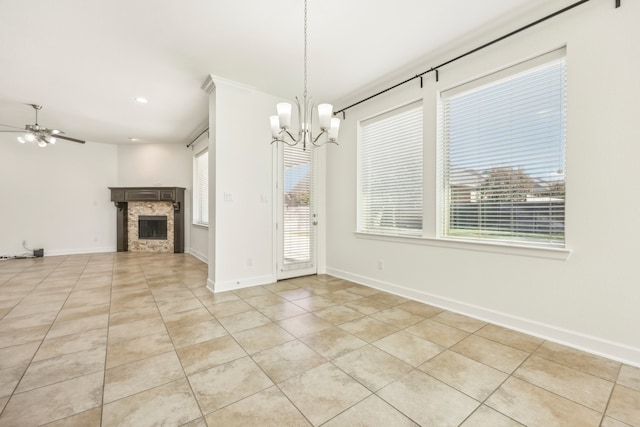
<point x="137" y="340"/>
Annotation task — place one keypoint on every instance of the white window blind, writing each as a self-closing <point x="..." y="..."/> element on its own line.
<point x="298" y="236"/>
<point x="503" y="155"/>
<point x="201" y="188"/>
<point x="391" y="164"/>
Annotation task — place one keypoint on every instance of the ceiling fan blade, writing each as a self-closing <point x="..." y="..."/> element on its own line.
<point x="53" y="132"/>
<point x="79" y="141"/>
<point x="13" y="127"/>
<point x="12" y="131"/>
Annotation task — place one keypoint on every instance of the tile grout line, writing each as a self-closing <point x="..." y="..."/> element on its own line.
<point x="513" y="372"/>
<point x="44" y="339"/>
<point x="175" y="349"/>
<point x="311" y="287"/>
<point x="329" y="361"/>
<point x="277" y="385"/>
<point x="106" y="348"/>
<point x="246" y="355"/>
<point x="13" y="392"/>
<point x="484" y="402"/>
<point x="606" y="407"/>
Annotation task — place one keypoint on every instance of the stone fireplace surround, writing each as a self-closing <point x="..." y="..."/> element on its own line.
<point x="136" y="243"/>
<point x="134" y="201"/>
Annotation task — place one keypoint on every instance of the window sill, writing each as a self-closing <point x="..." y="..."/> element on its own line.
<point x="476" y="246"/>
<point x="200" y="225"/>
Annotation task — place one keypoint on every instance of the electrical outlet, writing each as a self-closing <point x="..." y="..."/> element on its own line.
<point x="249" y="262"/>
<point x="380" y="264"/>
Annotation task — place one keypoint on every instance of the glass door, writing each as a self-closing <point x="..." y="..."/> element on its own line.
<point x="296" y="212"/>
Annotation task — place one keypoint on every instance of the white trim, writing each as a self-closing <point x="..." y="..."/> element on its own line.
<point x="375" y="165"/>
<point x="509" y="71"/>
<point x="282" y="270"/>
<point x="232" y="285"/>
<point x="211" y="285"/>
<point x="471" y="245"/>
<point x="59" y="252"/>
<point x="524" y="77"/>
<point x="275" y="178"/>
<point x="591" y="344"/>
<point x="197" y="201"/>
<point x="198" y="255"/>
<point x="213" y="81"/>
<point x="208" y="85"/>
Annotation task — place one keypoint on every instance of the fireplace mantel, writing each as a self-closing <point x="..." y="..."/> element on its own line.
<point x="122" y="195"/>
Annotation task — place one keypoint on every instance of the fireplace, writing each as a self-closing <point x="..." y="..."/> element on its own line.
<point x="149" y="219"/>
<point x="152" y="227"/>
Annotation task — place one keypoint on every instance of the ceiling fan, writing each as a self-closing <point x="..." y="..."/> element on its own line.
<point x="36" y="133"/>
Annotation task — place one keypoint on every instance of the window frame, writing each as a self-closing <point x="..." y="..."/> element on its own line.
<point x="197" y="190"/>
<point x="400" y="112"/>
<point x="527" y="67"/>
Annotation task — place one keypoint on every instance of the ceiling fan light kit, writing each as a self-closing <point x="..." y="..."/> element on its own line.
<point x="42" y="136"/>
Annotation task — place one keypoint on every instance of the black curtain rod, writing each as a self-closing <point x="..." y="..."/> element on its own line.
<point x="197" y="137"/>
<point x="419" y="76"/>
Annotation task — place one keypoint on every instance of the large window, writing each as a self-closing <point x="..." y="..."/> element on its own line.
<point x="201" y="188"/>
<point x="503" y="155"/>
<point x="390" y="186"/>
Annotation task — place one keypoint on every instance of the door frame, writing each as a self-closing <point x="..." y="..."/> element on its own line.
<point x="278" y="214"/>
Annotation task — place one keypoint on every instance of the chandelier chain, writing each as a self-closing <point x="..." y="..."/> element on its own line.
<point x="305" y="49"/>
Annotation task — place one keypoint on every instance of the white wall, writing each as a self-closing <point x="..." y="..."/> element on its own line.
<point x="154" y="165"/>
<point x="241" y="236"/>
<point x="590" y="300"/>
<point x="158" y="165"/>
<point x="56" y="197"/>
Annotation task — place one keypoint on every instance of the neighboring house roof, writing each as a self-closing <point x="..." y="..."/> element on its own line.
<point x="295" y="175"/>
<point x="464" y="177"/>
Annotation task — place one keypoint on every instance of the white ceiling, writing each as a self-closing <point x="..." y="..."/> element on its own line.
<point x="86" y="60"/>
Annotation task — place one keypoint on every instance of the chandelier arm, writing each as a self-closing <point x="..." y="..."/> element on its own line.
<point x="328" y="141"/>
<point x="322" y="132"/>
<point x="284" y="133"/>
<point x="293" y="138"/>
<point x="290" y="144"/>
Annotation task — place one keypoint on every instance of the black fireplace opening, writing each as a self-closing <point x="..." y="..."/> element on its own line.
<point x="152" y="227"/>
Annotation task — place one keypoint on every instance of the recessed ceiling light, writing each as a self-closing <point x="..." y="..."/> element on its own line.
<point x="134" y="139"/>
<point x="141" y="99"/>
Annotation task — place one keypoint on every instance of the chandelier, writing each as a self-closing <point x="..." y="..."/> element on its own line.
<point x="281" y="124"/>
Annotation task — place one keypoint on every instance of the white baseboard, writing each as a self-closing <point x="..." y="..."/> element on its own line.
<point x="211" y="285"/>
<point x="198" y="255"/>
<point x="598" y="346"/>
<point x="233" y="285"/>
<point x="59" y="252"/>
